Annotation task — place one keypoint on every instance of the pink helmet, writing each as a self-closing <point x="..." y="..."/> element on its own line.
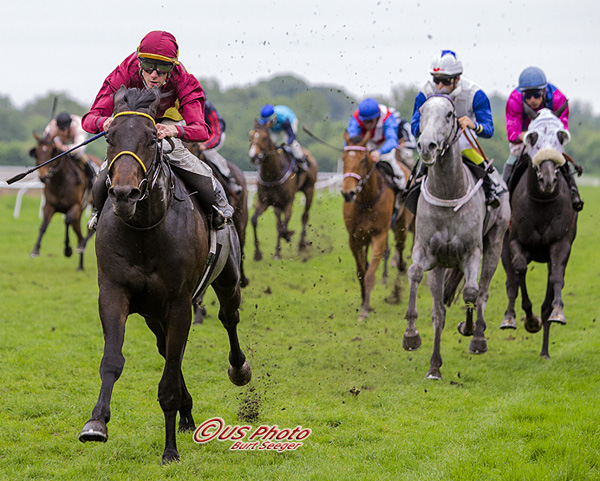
<point x="159" y="45"/>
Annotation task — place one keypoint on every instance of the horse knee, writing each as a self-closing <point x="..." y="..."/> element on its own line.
<point x="470" y="295"/>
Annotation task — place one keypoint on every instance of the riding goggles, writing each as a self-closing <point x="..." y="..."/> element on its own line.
<point x="446" y="81"/>
<point x="150" y="66"/>
<point x="536" y="94"/>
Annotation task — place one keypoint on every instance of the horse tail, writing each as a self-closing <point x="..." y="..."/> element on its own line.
<point x="452" y="280"/>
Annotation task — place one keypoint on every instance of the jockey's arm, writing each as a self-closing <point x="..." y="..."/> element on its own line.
<point x="291" y="135"/>
<point x="484" y="124"/>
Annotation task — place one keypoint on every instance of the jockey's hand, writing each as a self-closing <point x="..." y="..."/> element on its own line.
<point x="465" y="122"/>
<point x="201" y="147"/>
<point x="375" y="155"/>
<point x="107" y="123"/>
<point x="163" y="131"/>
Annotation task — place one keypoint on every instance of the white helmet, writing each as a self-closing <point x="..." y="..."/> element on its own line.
<point x="446" y="63"/>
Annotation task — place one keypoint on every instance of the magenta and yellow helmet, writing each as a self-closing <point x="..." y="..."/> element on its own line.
<point x="159" y="45"/>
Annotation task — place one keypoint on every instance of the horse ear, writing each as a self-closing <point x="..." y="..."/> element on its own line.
<point x="531" y="138"/>
<point x="564" y="137"/>
<point x="346" y="136"/>
<point x="119" y="96"/>
<point x="256" y="124"/>
<point x="36" y="136"/>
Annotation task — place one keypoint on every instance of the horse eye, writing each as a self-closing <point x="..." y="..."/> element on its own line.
<point x="449" y="115"/>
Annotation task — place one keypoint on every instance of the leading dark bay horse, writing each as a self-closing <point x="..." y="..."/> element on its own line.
<point x="368" y="208"/>
<point x="454" y="230"/>
<point x="66" y="190"/>
<point x="543" y="226"/>
<point x="152" y="247"/>
<point x="277" y="185"/>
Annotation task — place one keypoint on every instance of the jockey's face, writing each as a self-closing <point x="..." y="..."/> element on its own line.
<point x="154" y="79"/>
<point x="370" y="124"/>
<point x="445" y="84"/>
<point x="534" y="98"/>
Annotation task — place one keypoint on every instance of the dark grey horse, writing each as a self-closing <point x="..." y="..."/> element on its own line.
<point x="454" y="230"/>
<point x="543" y="226"/>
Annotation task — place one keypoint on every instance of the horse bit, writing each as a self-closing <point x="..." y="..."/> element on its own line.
<point x="361" y="180"/>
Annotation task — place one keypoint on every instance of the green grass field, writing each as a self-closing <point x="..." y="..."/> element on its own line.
<point x="503" y="415"/>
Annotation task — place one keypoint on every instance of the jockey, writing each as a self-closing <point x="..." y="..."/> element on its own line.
<point x="66" y="132"/>
<point x="383" y="125"/>
<point x="472" y="108"/>
<point x="406" y="141"/>
<point x="283" y="120"/>
<point x="180" y="116"/>
<point x="210" y="148"/>
<point x="533" y="94"/>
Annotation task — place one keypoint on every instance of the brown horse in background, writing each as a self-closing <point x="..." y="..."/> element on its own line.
<point x="154" y="258"/>
<point x="368" y="209"/>
<point x="277" y="185"/>
<point x="67" y="190"/>
<point x="239" y="202"/>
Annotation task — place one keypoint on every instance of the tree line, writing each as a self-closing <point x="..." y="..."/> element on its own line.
<point x="325" y="110"/>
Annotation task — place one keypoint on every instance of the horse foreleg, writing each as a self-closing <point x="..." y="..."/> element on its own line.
<point x="48" y="213"/>
<point x="533" y="323"/>
<point x="438" y="317"/>
<point x="259" y="208"/>
<point x="559" y="256"/>
<point x="74" y="219"/>
<point x="228" y="293"/>
<point x="309" y="193"/>
<point x="512" y="288"/>
<point x="114" y="307"/>
<point x="411" y="340"/>
<point x="379" y="243"/>
<point x="283" y="218"/>
<point x="171" y="386"/>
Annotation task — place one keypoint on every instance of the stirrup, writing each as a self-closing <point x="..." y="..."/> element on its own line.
<point x="218" y="219"/>
<point x="92" y="224"/>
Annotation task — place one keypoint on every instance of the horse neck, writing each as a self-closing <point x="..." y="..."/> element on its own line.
<point x="372" y="188"/>
<point x="273" y="164"/>
<point x="447" y="178"/>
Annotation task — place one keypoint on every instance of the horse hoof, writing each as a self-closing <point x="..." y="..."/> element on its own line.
<point x="434" y="375"/>
<point x="169" y="456"/>
<point x="244" y="281"/>
<point x="257" y="256"/>
<point x="533" y="323"/>
<point x="68" y="252"/>
<point x="478" y="346"/>
<point x="508" y="323"/>
<point x="240" y="376"/>
<point x="558" y="316"/>
<point x="411" y="342"/>
<point x="463" y="329"/>
<point x="94" y="430"/>
<point x="33" y="255"/>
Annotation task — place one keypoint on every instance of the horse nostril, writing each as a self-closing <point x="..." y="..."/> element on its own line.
<point x="134" y="195"/>
<point x="432" y="146"/>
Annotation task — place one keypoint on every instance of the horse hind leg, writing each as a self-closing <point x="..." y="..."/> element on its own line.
<point x="227" y="289"/>
<point x="303" y="244"/>
<point x="48" y="213"/>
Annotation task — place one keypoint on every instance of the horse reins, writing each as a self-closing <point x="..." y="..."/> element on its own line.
<point x="361" y="180"/>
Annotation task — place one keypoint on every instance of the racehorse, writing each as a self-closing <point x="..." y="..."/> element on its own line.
<point x="454" y="231"/>
<point x="239" y="201"/>
<point x="277" y="185"/>
<point x="368" y="208"/>
<point x="66" y="190"/>
<point x="152" y="246"/>
<point x="543" y="226"/>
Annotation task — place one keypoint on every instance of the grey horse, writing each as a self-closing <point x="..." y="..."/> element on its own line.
<point x="455" y="231"/>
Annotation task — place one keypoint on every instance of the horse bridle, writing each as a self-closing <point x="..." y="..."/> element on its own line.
<point x="361" y="180"/>
<point x="144" y="185"/>
<point x="456" y="130"/>
<point x="287" y="174"/>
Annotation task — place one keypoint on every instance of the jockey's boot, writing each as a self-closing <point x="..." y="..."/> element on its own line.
<point x="234" y="185"/>
<point x="491" y="196"/>
<point x="508" y="168"/>
<point x="211" y="199"/>
<point x="302" y="163"/>
<point x="577" y="202"/>
<point x="99" y="196"/>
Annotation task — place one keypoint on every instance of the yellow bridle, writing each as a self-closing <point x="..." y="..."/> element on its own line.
<point x="129" y="152"/>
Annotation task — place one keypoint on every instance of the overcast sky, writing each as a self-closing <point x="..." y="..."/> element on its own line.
<point x="365" y="47"/>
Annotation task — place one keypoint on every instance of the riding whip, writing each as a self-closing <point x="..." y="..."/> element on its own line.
<point x="337" y="149"/>
<point x="18" y="177"/>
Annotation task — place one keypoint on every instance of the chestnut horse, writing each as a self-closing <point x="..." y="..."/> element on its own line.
<point x="368" y="208"/>
<point x="66" y="190"/>
<point x="152" y="247"/>
<point x="277" y="186"/>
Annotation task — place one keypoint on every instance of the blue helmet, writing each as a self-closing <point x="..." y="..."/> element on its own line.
<point x="368" y="109"/>
<point x="265" y="113"/>
<point x="532" y="78"/>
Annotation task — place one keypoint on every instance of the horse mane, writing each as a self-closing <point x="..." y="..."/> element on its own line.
<point x="135" y="99"/>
